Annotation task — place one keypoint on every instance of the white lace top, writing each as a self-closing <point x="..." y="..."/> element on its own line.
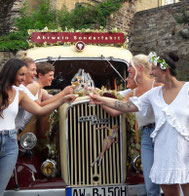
<point x="171" y="135"/>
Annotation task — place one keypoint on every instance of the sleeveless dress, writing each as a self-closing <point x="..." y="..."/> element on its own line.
<point x="171" y="135"/>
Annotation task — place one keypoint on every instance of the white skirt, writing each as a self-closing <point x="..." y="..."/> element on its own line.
<point x="171" y="157"/>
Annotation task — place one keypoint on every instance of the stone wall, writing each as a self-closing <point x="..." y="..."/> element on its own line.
<point x="4" y="56"/>
<point x="5" y="9"/>
<point x="122" y="19"/>
<point x="157" y="30"/>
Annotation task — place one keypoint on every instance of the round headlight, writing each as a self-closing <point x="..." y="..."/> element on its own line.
<point x="28" y="141"/>
<point x="48" y="168"/>
<point x="137" y="164"/>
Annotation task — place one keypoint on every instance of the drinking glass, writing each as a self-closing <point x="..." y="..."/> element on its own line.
<point x="90" y="89"/>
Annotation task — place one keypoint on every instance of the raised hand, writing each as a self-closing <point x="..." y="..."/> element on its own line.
<point x="69" y="98"/>
<point x="95" y="98"/>
<point x="68" y="90"/>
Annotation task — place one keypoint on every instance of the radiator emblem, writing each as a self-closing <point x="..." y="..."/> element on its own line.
<point x="94" y="120"/>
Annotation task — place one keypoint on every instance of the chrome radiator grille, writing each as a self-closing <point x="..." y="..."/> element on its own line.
<point x="84" y="143"/>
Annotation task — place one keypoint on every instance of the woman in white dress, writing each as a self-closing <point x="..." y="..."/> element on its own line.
<point x="170" y="103"/>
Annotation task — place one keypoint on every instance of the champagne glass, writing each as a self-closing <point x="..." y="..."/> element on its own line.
<point x="90" y="89"/>
<point x="76" y="80"/>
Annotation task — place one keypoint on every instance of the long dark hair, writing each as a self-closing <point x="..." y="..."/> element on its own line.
<point x="171" y="58"/>
<point x="7" y="79"/>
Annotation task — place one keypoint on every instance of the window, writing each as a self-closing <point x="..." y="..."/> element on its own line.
<point x="166" y="2"/>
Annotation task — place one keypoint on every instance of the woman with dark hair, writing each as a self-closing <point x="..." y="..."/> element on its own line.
<point x="170" y="104"/>
<point x="13" y="74"/>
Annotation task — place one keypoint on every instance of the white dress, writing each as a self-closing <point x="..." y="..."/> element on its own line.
<point x="171" y="135"/>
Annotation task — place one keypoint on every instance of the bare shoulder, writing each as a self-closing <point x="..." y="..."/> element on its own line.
<point x="157" y="84"/>
<point x="33" y="87"/>
<point x="22" y="95"/>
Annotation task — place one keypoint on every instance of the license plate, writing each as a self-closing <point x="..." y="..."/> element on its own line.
<point x="97" y="191"/>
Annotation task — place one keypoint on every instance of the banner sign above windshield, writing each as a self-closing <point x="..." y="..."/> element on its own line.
<point x="62" y="37"/>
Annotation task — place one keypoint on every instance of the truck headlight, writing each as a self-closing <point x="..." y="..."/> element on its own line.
<point x="137" y="164"/>
<point x="48" y="168"/>
<point x="28" y="141"/>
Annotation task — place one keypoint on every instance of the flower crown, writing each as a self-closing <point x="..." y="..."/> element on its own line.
<point x="153" y="58"/>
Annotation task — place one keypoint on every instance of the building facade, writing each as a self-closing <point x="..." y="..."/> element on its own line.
<point x="148" y="4"/>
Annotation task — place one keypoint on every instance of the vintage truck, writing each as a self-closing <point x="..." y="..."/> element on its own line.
<point x="60" y="163"/>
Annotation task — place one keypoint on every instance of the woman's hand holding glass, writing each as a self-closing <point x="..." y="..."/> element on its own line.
<point x="90" y="89"/>
<point x="96" y="99"/>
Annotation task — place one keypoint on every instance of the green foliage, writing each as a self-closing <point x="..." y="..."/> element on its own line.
<point x="45" y="16"/>
<point x="183" y="18"/>
<point x="133" y="145"/>
<point x="13" y="42"/>
<point x="88" y="16"/>
<point x="36" y="19"/>
<point x="78" y="18"/>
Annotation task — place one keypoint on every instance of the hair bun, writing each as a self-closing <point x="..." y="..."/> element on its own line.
<point x="173" y="56"/>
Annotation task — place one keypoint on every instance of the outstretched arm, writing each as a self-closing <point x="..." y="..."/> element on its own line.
<point x="67" y="90"/>
<point x="34" y="108"/>
<point x="111" y="112"/>
<point x="114" y="112"/>
<point x="115" y="104"/>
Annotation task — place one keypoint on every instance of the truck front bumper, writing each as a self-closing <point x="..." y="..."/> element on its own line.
<point x="133" y="190"/>
<point x="36" y="192"/>
<point x="136" y="190"/>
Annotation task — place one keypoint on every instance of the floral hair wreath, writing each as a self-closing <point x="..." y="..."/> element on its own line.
<point x="153" y="58"/>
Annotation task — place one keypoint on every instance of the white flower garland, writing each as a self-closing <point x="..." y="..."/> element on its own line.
<point x="153" y="58"/>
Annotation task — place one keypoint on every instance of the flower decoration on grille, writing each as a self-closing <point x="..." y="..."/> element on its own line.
<point x="153" y="58"/>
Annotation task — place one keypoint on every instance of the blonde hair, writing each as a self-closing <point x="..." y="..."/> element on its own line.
<point x="23" y="56"/>
<point x="139" y="60"/>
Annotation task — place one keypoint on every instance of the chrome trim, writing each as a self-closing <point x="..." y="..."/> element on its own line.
<point x="121" y="146"/>
<point x="133" y="190"/>
<point x="32" y="140"/>
<point x="67" y="146"/>
<point x="36" y="192"/>
<point x="81" y="58"/>
<point x="135" y="161"/>
<point x="46" y="162"/>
